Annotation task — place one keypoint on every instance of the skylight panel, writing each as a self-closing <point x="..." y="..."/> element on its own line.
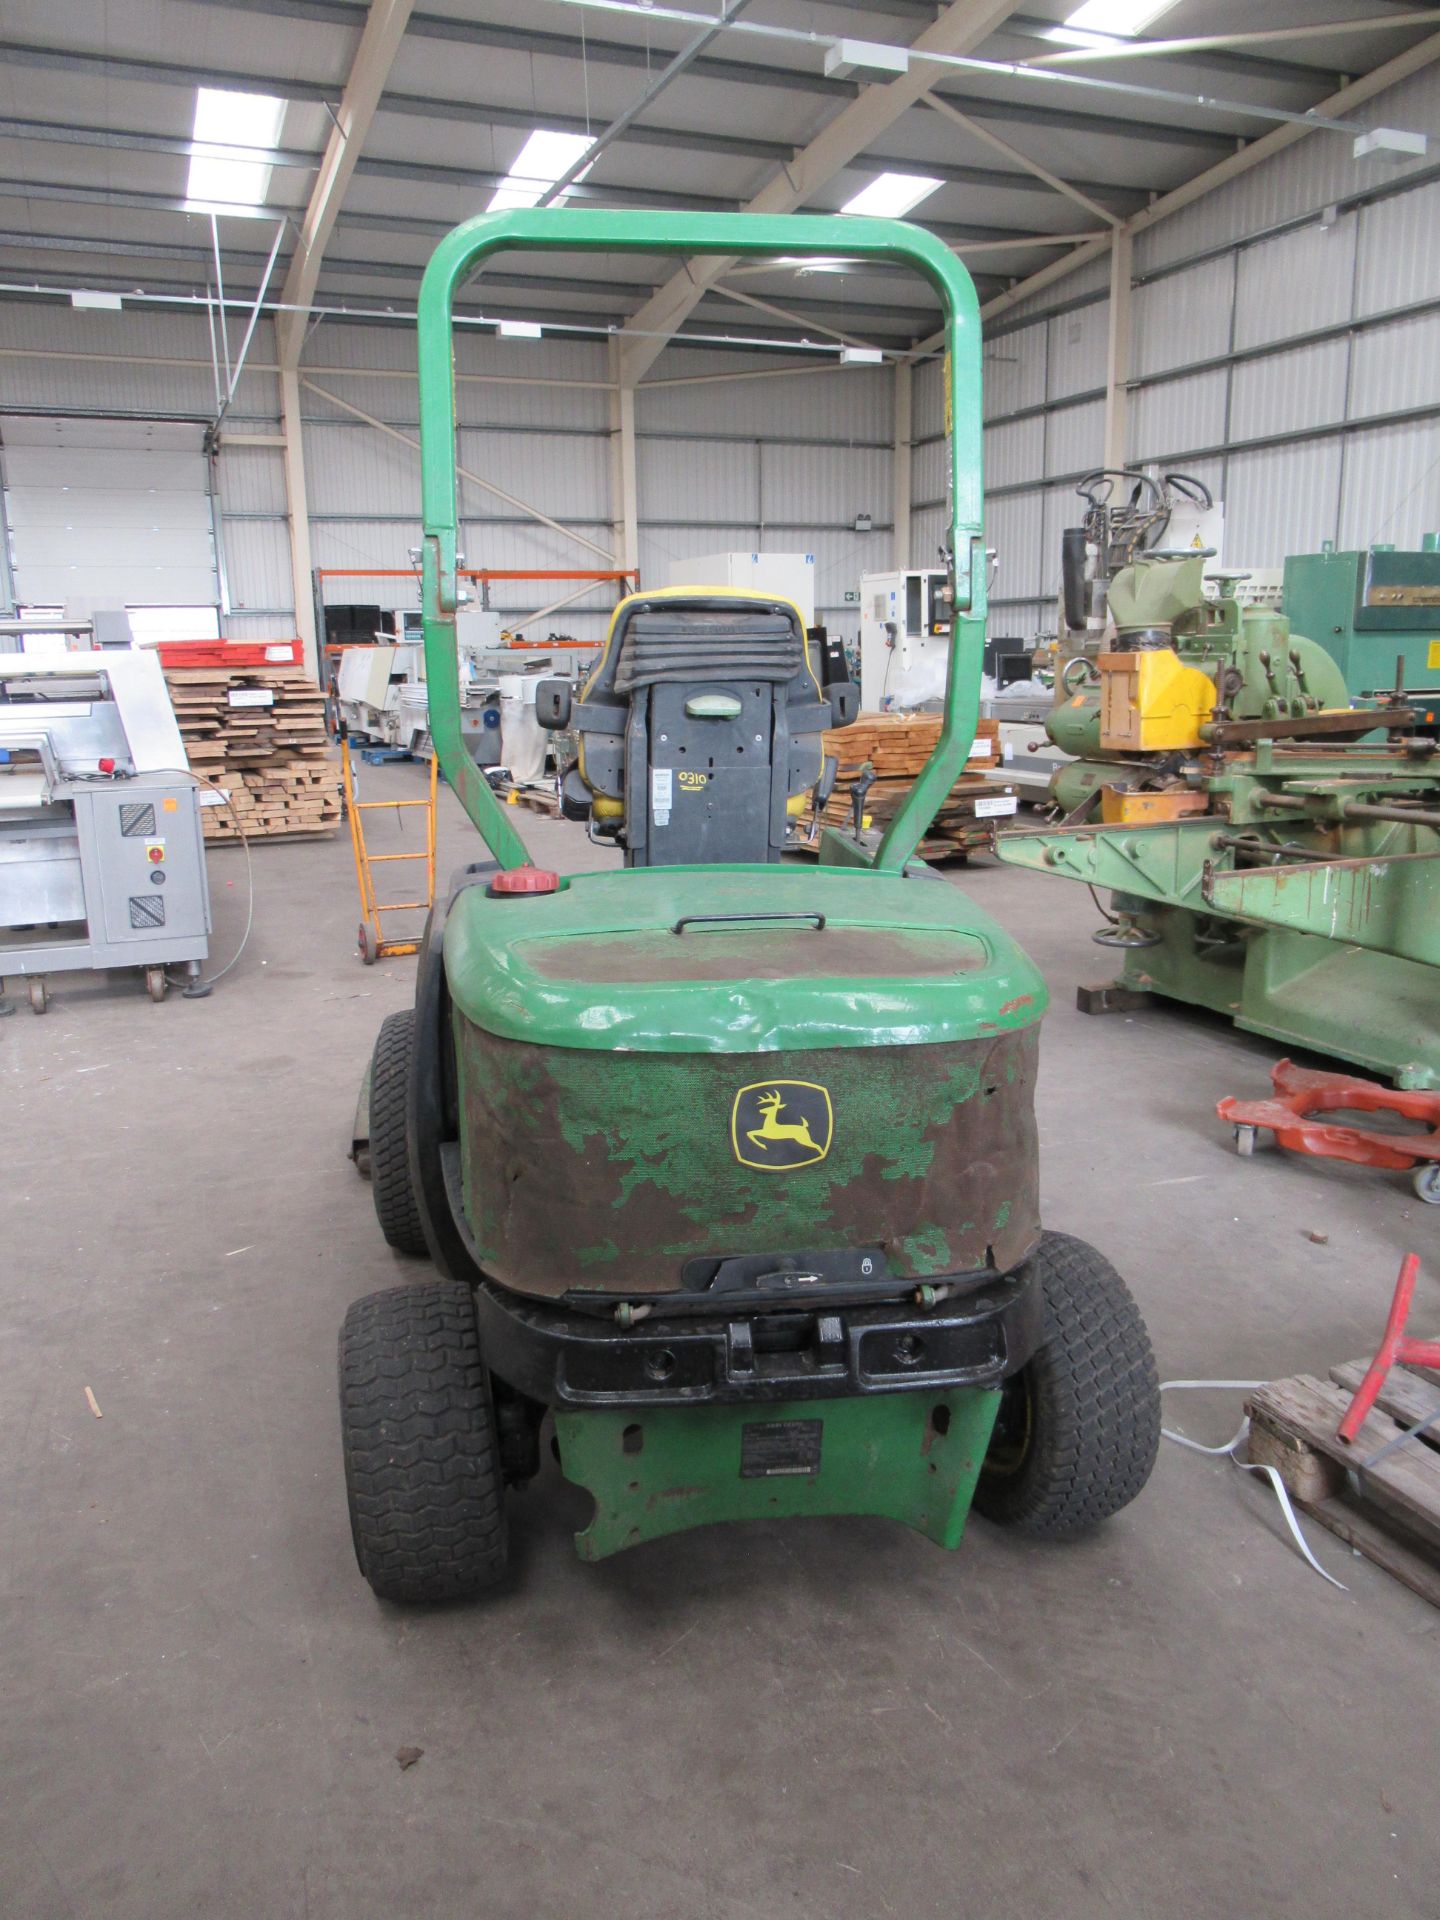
<point x="545" y="158"/>
<point x="229" y="124"/>
<point x="890" y="196"/>
<point x="1120" y="18"/>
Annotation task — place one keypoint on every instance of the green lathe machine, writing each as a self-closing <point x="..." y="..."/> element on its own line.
<point x="1273" y="853"/>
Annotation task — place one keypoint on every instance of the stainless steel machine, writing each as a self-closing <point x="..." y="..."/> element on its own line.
<point x="102" y="859"/>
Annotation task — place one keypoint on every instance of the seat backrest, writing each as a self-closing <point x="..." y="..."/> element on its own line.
<point x="700" y="721"/>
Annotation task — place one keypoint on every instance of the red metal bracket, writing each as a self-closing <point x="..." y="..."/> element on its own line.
<point x="1301" y="1093"/>
<point x="1397" y="1349"/>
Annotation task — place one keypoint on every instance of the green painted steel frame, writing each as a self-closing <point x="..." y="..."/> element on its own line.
<point x="658" y="1471"/>
<point x="565" y="229"/>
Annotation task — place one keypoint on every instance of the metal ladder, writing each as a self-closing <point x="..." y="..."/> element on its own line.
<point x="370" y="938"/>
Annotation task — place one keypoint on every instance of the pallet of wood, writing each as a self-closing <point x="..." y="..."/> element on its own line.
<point x="259" y="732"/>
<point x="896" y="747"/>
<point x="1388" y="1510"/>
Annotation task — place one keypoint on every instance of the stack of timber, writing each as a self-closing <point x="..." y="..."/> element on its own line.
<point x="896" y="746"/>
<point x="1388" y="1509"/>
<point x="259" y="732"/>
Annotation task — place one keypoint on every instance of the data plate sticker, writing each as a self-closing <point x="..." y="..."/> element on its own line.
<point x="771" y="1447"/>
<point x="662" y="788"/>
<point x="987" y="809"/>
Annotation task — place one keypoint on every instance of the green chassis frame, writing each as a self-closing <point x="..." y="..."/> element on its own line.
<point x="883" y="1454"/>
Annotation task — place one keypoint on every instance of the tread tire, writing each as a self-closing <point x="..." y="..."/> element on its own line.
<point x="390" y="1184"/>
<point x="1093" y="1403"/>
<point x="422" y="1463"/>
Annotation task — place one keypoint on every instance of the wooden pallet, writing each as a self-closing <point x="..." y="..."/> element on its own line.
<point x="1390" y="1513"/>
<point x="542" y="800"/>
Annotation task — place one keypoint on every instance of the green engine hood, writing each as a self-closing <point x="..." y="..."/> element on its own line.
<point x="599" y="965"/>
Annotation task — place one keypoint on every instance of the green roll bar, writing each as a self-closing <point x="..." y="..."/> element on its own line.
<point x="566" y="230"/>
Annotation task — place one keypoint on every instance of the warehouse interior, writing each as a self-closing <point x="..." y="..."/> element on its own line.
<point x="1173" y="270"/>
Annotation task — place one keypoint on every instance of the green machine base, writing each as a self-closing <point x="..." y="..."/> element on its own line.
<point x="911" y="1457"/>
<point x="1373" y="1009"/>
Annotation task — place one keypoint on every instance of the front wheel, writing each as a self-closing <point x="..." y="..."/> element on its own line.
<point x="423" y="1470"/>
<point x="1079" y="1426"/>
<point x="393" y="1191"/>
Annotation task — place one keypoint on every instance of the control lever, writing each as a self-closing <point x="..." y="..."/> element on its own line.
<point x="860" y="786"/>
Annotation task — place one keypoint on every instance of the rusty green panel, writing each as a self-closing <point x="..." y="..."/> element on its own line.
<point x="610" y="1171"/>
<point x="911" y="1457"/>
<point x="1386" y="903"/>
<point x="599" y="966"/>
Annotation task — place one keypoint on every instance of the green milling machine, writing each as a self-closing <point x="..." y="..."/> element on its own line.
<point x="727" y="1166"/>
<point x="1272" y="850"/>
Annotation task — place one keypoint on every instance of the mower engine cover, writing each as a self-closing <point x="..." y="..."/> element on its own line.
<point x="669" y="1068"/>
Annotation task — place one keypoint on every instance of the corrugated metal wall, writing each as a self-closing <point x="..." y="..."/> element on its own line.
<point x="787" y="462"/>
<point x="1305" y="439"/>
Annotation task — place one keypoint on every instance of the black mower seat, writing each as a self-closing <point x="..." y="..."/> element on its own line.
<point x="702" y="719"/>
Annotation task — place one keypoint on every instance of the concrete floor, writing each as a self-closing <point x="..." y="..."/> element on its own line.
<point x="203" y="1702"/>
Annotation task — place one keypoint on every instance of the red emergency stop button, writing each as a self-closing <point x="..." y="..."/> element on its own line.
<point x="526" y="880"/>
<point x="155" y="853"/>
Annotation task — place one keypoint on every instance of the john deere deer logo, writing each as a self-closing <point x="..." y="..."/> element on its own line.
<point x="781" y="1124"/>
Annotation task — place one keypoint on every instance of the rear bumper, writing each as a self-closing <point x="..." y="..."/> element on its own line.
<point x="572" y="1360"/>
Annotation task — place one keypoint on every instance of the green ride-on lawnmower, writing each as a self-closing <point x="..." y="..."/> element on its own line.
<point x="727" y="1165"/>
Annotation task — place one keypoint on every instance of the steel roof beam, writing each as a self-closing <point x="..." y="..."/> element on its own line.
<point x="428" y="107"/>
<point x="366" y="308"/>
<point x="1389" y="74"/>
<point x="963" y="25"/>
<point x="1153" y="48"/>
<point x="385" y="23"/>
<point x="621" y="53"/>
<point x="903" y="321"/>
<point x="63" y="133"/>
<point x="143" y="200"/>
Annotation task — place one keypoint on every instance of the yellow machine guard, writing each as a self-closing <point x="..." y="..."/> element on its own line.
<point x="1151" y="701"/>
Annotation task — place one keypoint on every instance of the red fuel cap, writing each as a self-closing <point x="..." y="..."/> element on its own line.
<point x="526" y="880"/>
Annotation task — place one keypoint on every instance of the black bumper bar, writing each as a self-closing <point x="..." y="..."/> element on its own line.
<point x="567" y="1359"/>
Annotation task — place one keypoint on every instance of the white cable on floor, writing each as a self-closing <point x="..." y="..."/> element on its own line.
<point x="1247" y="1466"/>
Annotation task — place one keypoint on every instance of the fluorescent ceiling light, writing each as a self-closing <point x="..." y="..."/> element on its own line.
<point x="520" y="329"/>
<point x="102" y="302"/>
<point x="544" y="159"/>
<point x="890" y="196"/>
<point x="845" y="56"/>
<point x="861" y="357"/>
<point x="1392" y="144"/>
<point x="228" y="123"/>
<point x="1120" y="18"/>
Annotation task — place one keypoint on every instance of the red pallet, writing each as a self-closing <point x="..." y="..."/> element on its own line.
<point x="228" y="653"/>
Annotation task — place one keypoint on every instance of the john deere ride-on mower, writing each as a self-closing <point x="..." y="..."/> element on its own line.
<point x="727" y="1165"/>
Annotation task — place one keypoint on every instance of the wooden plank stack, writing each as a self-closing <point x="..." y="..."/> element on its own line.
<point x="259" y="732"/>
<point x="896" y="746"/>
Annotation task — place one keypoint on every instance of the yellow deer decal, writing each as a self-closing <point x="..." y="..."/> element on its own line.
<point x="772" y="1127"/>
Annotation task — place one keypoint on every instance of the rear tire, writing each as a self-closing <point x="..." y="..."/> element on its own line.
<point x="422" y="1461"/>
<point x="395" y="1204"/>
<point x="1079" y="1425"/>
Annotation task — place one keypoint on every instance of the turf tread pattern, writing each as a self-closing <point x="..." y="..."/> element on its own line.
<point x="1095" y="1399"/>
<point x="390" y="1184"/>
<point x="422" y="1465"/>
